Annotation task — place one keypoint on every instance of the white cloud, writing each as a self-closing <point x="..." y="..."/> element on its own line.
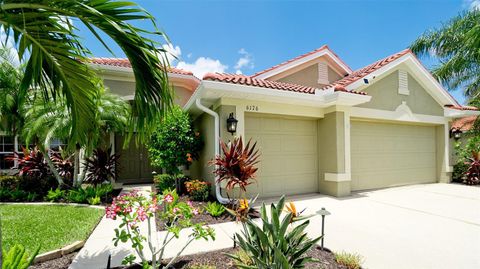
<point x="202" y="66"/>
<point x="245" y="61"/>
<point x="238" y="72"/>
<point x="172" y="53"/>
<point x="472" y="4"/>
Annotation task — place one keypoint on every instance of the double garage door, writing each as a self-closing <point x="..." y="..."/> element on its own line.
<point x="385" y="155"/>
<point x="288" y="154"/>
<point x="382" y="154"/>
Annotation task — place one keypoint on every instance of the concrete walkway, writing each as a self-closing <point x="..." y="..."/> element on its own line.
<point x="421" y="226"/>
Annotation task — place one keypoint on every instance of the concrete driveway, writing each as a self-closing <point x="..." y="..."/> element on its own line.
<point x="420" y="226"/>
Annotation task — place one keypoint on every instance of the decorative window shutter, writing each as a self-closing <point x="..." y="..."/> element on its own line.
<point x="323" y="73"/>
<point x="403" y="82"/>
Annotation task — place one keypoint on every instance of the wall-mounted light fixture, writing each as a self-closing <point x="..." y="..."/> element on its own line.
<point x="232" y="124"/>
<point x="455" y="134"/>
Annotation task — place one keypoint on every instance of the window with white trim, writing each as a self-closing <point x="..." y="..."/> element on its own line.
<point x="7" y="146"/>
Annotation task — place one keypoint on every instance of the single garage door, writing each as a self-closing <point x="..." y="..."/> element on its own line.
<point x="385" y="155"/>
<point x="288" y="154"/>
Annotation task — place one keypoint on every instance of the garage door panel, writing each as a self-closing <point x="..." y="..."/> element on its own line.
<point x="386" y="155"/>
<point x="288" y="154"/>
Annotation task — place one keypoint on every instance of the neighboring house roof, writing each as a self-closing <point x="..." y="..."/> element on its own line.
<point x="464" y="124"/>
<point x="251" y="81"/>
<point x="365" y="71"/>
<point x="298" y="58"/>
<point x="124" y="62"/>
<point x="462" y="107"/>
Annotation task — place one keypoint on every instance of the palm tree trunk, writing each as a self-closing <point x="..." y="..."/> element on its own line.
<point x="76" y="167"/>
<point x="52" y="168"/>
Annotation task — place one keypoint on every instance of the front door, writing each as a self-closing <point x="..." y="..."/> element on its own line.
<point x="134" y="165"/>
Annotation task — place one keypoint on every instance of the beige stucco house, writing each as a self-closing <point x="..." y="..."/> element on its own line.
<point x="320" y="126"/>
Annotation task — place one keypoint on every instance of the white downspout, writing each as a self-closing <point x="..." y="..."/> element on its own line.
<point x="205" y="109"/>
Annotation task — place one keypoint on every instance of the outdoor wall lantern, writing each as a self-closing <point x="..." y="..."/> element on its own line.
<point x="455" y="134"/>
<point x="232" y="124"/>
<point x="323" y="212"/>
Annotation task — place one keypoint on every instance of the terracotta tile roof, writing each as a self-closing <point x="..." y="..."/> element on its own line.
<point x="365" y="71"/>
<point x="324" y="47"/>
<point x="462" y="107"/>
<point x="464" y="124"/>
<point x="251" y="81"/>
<point x="124" y="62"/>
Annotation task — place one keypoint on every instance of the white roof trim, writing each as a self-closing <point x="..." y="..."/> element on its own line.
<point x="215" y="90"/>
<point x="285" y="67"/>
<point x="456" y="113"/>
<point x="438" y="93"/>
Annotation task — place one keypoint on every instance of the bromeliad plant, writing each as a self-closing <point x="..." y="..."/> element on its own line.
<point x="276" y="244"/>
<point x="133" y="209"/>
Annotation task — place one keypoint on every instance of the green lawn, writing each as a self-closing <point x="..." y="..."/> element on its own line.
<point x="47" y="226"/>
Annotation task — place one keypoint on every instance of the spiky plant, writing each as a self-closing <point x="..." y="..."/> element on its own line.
<point x="63" y="164"/>
<point x="101" y="166"/>
<point x="275" y="244"/>
<point x="33" y="164"/>
<point x="238" y="164"/>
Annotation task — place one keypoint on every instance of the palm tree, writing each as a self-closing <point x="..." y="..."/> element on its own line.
<point x="57" y="62"/>
<point x="45" y="121"/>
<point x="457" y="46"/>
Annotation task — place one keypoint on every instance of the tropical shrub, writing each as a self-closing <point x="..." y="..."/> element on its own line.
<point x="214" y="209"/>
<point x="275" y="245"/>
<point x="351" y="261"/>
<point x="55" y="195"/>
<point x="198" y="190"/>
<point x="132" y="209"/>
<point x="165" y="182"/>
<point x="101" y="166"/>
<point x="237" y="165"/>
<point x="245" y="260"/>
<point x="17" y="258"/>
<point x="33" y="164"/>
<point x="174" y="142"/>
<point x="78" y="195"/>
<point x="472" y="176"/>
<point x="64" y="165"/>
<point x="459" y="171"/>
<point x="94" y="200"/>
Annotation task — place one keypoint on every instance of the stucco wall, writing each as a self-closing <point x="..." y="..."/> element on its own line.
<point x="309" y="76"/>
<point x="331" y="148"/>
<point x="385" y="96"/>
<point x="126" y="88"/>
<point x="200" y="168"/>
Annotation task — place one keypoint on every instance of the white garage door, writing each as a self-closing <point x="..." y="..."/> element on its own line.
<point x="385" y="155"/>
<point x="288" y="154"/>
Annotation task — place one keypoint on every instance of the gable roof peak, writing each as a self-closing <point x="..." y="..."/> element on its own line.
<point x="304" y="56"/>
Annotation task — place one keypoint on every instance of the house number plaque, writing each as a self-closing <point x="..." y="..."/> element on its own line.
<point x="251" y="108"/>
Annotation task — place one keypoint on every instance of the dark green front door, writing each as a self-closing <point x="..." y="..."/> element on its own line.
<point x="134" y="163"/>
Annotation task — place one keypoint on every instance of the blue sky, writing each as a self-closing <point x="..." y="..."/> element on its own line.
<point x="248" y="36"/>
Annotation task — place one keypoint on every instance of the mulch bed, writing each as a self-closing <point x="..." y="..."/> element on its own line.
<point x="59" y="263"/>
<point x="204" y="217"/>
<point x="220" y="261"/>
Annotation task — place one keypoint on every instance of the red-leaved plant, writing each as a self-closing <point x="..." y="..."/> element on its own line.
<point x="64" y="165"/>
<point x="237" y="165"/>
<point x="33" y="164"/>
<point x="101" y="166"/>
<point x="473" y="171"/>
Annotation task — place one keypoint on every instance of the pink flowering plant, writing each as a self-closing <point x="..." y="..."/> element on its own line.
<point x="133" y="209"/>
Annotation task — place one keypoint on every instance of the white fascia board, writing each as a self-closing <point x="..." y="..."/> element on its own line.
<point x="379" y="114"/>
<point x="455" y="113"/>
<point x="433" y="87"/>
<point x="303" y="60"/>
<point x="215" y="89"/>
